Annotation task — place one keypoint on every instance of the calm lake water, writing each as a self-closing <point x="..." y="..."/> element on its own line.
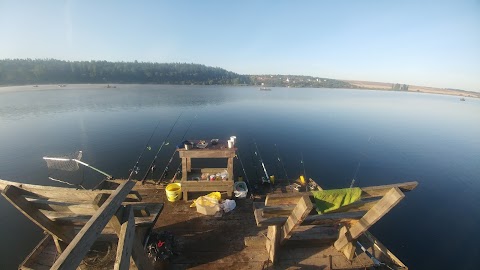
<point x="396" y="137"/>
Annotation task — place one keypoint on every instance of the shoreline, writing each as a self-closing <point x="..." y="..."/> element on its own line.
<point x="356" y="86"/>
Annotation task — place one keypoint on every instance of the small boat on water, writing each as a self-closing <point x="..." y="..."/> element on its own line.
<point x="462" y="99"/>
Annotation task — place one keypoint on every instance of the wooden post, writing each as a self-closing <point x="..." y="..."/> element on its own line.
<point x="14" y="195"/>
<point x="138" y="254"/>
<point x="189" y="164"/>
<point x="383" y="206"/>
<point x="299" y="213"/>
<point x="230" y="168"/>
<point x="184" y="169"/>
<point x="80" y="245"/>
<point x="125" y="240"/>
<point x="273" y="241"/>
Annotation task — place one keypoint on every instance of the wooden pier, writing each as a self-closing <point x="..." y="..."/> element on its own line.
<point x="276" y="232"/>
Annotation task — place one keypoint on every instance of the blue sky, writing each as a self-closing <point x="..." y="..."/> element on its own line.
<point x="431" y="43"/>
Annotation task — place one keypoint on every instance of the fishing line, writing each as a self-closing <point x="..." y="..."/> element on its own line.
<point x="257" y="153"/>
<point x="244" y="172"/>
<point x="135" y="168"/>
<point x="281" y="163"/>
<point x="174" y="152"/>
<point x="160" y="149"/>
<point x="303" y="165"/>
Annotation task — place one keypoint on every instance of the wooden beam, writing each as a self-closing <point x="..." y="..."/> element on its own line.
<point x="14" y="194"/>
<point x="189" y="164"/>
<point x="138" y="254"/>
<point x="392" y="198"/>
<point x="207" y="153"/>
<point x="367" y="192"/>
<point x="184" y="169"/>
<point x="349" y="251"/>
<point x="273" y="242"/>
<point x="379" y="191"/>
<point x="263" y="219"/>
<point x="312" y="236"/>
<point x="125" y="240"/>
<point x="59" y="193"/>
<point x="80" y="245"/>
<point x="300" y="212"/>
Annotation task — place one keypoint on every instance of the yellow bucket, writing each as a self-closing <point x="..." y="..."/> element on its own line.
<point x="174" y="192"/>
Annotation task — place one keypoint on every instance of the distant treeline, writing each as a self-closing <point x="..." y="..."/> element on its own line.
<point x="46" y="71"/>
<point x="52" y="71"/>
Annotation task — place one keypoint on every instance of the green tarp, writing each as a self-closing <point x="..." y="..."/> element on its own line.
<point x="329" y="200"/>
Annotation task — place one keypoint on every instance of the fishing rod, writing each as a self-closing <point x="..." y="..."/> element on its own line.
<point x="243" y="168"/>
<point x="160" y="149"/>
<point x="358" y="166"/>
<point x="303" y="165"/>
<point x="355" y="175"/>
<point x="174" y="152"/>
<point x="135" y="168"/>
<point x="257" y="153"/>
<point x="281" y="163"/>
<point x="376" y="262"/>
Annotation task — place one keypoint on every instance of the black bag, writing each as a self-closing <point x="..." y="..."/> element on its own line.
<point x="159" y="246"/>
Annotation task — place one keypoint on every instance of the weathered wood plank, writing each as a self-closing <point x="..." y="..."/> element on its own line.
<point x="14" y="195"/>
<point x="207" y="153"/>
<point x="60" y="193"/>
<point x="138" y="254"/>
<point x="379" y="191"/>
<point x="312" y="236"/>
<point x="378" y="245"/>
<point x="297" y="216"/>
<point x="273" y="242"/>
<point x="325" y="219"/>
<point x="80" y="245"/>
<point x="391" y="198"/>
<point x="36" y="252"/>
<point x="367" y="192"/>
<point x="125" y="240"/>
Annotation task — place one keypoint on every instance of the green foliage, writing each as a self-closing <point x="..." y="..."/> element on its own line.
<point x="399" y="87"/>
<point x="46" y="71"/>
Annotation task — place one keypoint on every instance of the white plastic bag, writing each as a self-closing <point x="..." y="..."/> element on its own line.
<point x="228" y="205"/>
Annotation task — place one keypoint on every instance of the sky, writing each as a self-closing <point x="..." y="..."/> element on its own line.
<point x="428" y="43"/>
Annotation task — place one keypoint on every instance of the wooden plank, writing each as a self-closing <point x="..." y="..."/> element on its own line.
<point x="349" y="251"/>
<point x="392" y="198"/>
<point x="367" y="192"/>
<point x="276" y="211"/>
<point x="285" y="198"/>
<point x="361" y="205"/>
<point x="80" y="245"/>
<point x="13" y="194"/>
<point x="184" y="169"/>
<point x="379" y="191"/>
<point x="273" y="242"/>
<point x="60" y="193"/>
<point x="207" y="153"/>
<point x="312" y="236"/>
<point x="32" y="257"/>
<point x="300" y="212"/>
<point x="326" y="219"/>
<point x="377" y="244"/>
<point x="125" y="240"/>
<point x="138" y="254"/>
<point x="230" y="169"/>
<point x="189" y="164"/>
